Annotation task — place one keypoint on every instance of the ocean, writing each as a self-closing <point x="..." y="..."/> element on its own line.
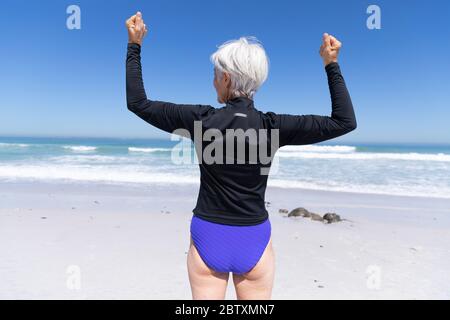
<point x="403" y="169"/>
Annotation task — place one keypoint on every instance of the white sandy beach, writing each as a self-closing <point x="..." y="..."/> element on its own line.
<point x="131" y="243"/>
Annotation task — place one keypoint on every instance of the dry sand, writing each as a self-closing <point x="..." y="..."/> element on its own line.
<point x="130" y="242"/>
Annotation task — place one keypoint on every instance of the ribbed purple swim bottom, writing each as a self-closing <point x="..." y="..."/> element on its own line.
<point x="226" y="248"/>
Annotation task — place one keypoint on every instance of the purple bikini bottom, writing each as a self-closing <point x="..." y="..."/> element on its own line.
<point x="226" y="248"/>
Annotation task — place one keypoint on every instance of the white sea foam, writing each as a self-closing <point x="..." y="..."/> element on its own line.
<point x="349" y="152"/>
<point x="135" y="149"/>
<point x="14" y="145"/>
<point x="124" y="174"/>
<point x="88" y="158"/>
<point x="318" y="148"/>
<point x="166" y="176"/>
<point x="80" y="148"/>
<point x="412" y="156"/>
<point x="401" y="190"/>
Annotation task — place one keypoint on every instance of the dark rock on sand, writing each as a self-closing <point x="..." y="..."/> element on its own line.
<point x="331" y="217"/>
<point x="302" y="212"/>
<point x="299" y="212"/>
<point x="316" y="217"/>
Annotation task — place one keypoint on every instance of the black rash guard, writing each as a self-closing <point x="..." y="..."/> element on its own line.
<point x="233" y="194"/>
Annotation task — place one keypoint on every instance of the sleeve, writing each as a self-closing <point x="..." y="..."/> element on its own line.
<point x="163" y="115"/>
<point x="308" y="129"/>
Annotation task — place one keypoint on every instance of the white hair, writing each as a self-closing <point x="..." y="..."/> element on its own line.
<point x="246" y="62"/>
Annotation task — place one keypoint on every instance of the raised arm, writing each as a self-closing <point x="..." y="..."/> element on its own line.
<point x="308" y="129"/>
<point x="163" y="115"/>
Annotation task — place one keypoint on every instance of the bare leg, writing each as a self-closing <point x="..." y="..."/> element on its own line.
<point x="258" y="282"/>
<point x="206" y="284"/>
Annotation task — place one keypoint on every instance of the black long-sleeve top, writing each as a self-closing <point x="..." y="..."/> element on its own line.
<point x="233" y="193"/>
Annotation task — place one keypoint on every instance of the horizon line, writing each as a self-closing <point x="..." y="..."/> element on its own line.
<point x="167" y="138"/>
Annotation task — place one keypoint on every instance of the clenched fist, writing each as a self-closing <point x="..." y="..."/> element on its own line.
<point x="136" y="29"/>
<point x="329" y="49"/>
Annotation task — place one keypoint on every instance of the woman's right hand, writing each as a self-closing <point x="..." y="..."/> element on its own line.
<point x="136" y="29"/>
<point x="329" y="50"/>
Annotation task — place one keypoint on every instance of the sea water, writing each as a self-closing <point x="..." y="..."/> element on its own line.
<point x="398" y="169"/>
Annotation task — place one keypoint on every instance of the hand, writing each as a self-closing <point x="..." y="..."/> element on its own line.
<point x="329" y="50"/>
<point x="136" y="29"/>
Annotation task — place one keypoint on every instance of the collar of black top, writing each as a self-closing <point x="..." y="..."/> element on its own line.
<point x="241" y="101"/>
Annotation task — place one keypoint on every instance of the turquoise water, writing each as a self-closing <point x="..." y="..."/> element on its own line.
<point x="403" y="169"/>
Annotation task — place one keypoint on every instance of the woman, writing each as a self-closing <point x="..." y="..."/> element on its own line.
<point x="230" y="229"/>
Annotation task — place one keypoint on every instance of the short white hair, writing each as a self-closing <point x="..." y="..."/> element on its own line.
<point x="246" y="62"/>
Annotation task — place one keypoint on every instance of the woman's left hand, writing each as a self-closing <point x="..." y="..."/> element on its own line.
<point x="136" y="29"/>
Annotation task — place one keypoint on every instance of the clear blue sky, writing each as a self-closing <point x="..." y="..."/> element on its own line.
<point x="56" y="81"/>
